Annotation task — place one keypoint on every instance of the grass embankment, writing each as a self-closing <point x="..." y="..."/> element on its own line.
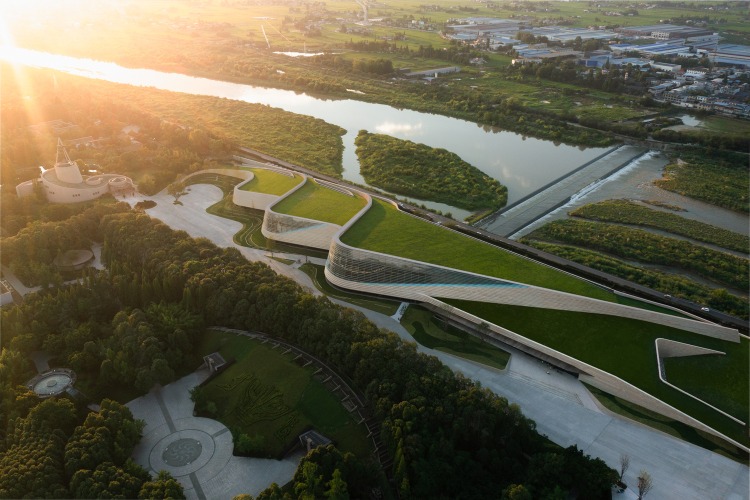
<point x="270" y="182"/>
<point x="430" y="332"/>
<point x="721" y="180"/>
<point x="315" y="201"/>
<point x="628" y="212"/>
<point x="316" y="273"/>
<point x="650" y="248"/>
<point x="270" y="398"/>
<point x="251" y="219"/>
<point x="625" y="348"/>
<point x="385" y="229"/>
<point x="411" y="169"/>
<point x="672" y="284"/>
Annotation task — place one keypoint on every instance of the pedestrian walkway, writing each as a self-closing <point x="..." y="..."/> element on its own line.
<point x="198" y="451"/>
<point x="680" y="470"/>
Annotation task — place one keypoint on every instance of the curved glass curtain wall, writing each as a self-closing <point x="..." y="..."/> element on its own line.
<point x="368" y="267"/>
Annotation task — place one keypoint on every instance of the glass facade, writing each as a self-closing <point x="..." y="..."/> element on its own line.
<point x="363" y="266"/>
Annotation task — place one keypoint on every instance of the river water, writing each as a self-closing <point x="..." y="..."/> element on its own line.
<point x="522" y="164"/>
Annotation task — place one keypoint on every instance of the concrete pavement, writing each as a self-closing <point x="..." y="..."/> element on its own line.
<point x="198" y="451"/>
<point x="560" y="405"/>
<point x="519" y="216"/>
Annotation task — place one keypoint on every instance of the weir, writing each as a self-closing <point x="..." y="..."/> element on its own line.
<point x="515" y="217"/>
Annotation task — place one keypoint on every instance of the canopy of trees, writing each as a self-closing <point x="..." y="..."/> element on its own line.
<point x="412" y="169"/>
<point x="445" y="435"/>
<point x="46" y="455"/>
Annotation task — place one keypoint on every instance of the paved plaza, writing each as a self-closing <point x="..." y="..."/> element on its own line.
<point x="198" y="451"/>
<point x="559" y="404"/>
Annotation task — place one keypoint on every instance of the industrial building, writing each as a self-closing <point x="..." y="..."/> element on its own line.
<point x="663" y="31"/>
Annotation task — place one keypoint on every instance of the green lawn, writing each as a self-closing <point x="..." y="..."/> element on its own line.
<point x="250" y="235"/>
<point x="625" y="348"/>
<point x="314" y="201"/>
<point x="270" y="182"/>
<point x="430" y="332"/>
<point x="272" y="399"/>
<point x="385" y="229"/>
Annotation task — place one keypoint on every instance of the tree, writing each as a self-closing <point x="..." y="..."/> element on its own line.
<point x="310" y="487"/>
<point x="177" y="189"/>
<point x="645" y="483"/>
<point x="109" y="481"/>
<point x="624" y="464"/>
<point x="337" y="489"/>
<point x="273" y="492"/>
<point x="516" y="492"/>
<point x="164" y="486"/>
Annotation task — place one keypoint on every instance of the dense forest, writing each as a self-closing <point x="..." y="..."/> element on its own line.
<point x="136" y="324"/>
<point x="411" y="169"/>
<point x="151" y="135"/>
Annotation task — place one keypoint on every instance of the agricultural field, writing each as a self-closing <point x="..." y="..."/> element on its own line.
<point x="318" y="202"/>
<point x="270" y="182"/>
<point x="270" y="399"/>
<point x="606" y="341"/>
<point x="247" y="43"/>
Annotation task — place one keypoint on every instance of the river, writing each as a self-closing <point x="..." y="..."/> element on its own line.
<point x="522" y="164"/>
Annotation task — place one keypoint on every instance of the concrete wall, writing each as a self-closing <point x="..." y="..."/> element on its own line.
<point x="297" y="230"/>
<point x="90" y="189"/>
<point x="666" y="348"/>
<point x="589" y="374"/>
<point x="358" y="269"/>
<point x="25" y="189"/>
<point x="345" y="261"/>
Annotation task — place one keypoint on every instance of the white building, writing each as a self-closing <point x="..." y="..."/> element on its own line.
<point x="64" y="183"/>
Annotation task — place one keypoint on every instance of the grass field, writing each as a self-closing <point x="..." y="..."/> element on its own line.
<point x="270" y="182"/>
<point x="625" y="348"/>
<point x="250" y="235"/>
<point x="314" y="201"/>
<point x="271" y="399"/>
<point x="385" y="229"/>
<point x="316" y="273"/>
<point x="432" y="333"/>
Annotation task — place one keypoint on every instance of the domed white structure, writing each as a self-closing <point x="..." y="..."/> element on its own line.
<point x="65" y="184"/>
